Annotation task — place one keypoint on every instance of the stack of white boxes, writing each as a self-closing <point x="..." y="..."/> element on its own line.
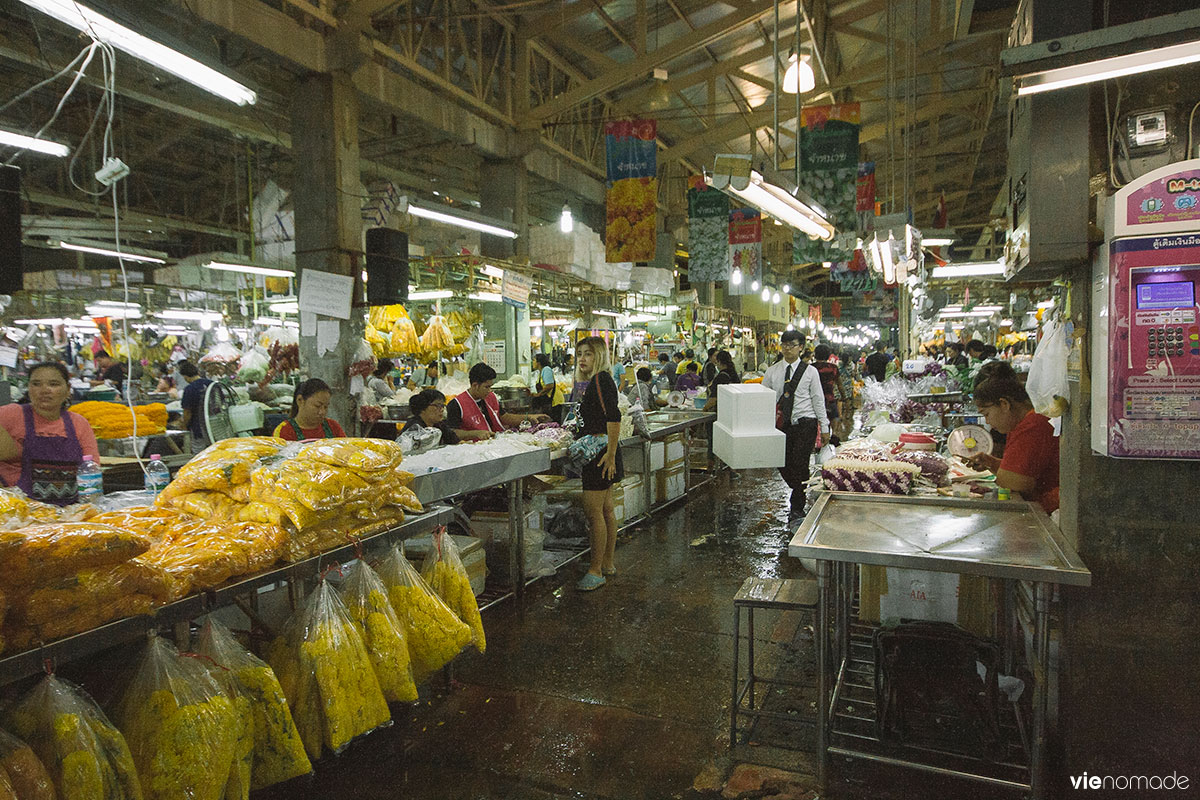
<point x="744" y="435"/>
<point x="670" y="480"/>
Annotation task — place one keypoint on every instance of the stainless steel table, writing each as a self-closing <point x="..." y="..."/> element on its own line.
<point x="1010" y="540"/>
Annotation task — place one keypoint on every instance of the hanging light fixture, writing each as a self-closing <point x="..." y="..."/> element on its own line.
<point x="766" y="294"/>
<point x="754" y="286"/>
<point x="787" y="289"/>
<point x="736" y="277"/>
<point x="799" y="75"/>
<point x="566" y="223"/>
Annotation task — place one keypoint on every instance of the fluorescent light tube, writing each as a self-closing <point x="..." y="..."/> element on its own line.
<point x="462" y="222"/>
<point x="180" y="313"/>
<point x="285" y="307"/>
<point x="189" y="69"/>
<point x="43" y="321"/>
<point x="606" y="313"/>
<point x="553" y="308"/>
<point x="777" y="202"/>
<point x="937" y="241"/>
<point x="492" y="271"/>
<point x="268" y="321"/>
<point x="44" y="146"/>
<point x="248" y="269"/>
<point x="437" y="294"/>
<point x="1046" y="304"/>
<point x="1108" y="68"/>
<point x="107" y="251"/>
<point x="970" y="269"/>
<point x="486" y="297"/>
<point x="114" y="312"/>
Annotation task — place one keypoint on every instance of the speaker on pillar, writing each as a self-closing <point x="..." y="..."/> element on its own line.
<point x="12" y="269"/>
<point x="387" y="266"/>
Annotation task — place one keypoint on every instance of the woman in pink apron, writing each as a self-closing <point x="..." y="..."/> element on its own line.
<point x="42" y="443"/>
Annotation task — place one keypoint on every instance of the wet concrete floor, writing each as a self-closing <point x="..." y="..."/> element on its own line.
<point x="619" y="693"/>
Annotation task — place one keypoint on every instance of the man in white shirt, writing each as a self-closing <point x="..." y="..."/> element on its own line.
<point x="806" y="399"/>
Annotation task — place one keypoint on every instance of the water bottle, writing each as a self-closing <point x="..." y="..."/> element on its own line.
<point x="89" y="481"/>
<point x="158" y="475"/>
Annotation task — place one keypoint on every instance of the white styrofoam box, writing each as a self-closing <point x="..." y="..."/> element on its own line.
<point x="675" y="448"/>
<point x="920" y="594"/>
<point x="746" y="407"/>
<point x="669" y="484"/>
<point x="634" y="458"/>
<point x="648" y="280"/>
<point x="749" y="450"/>
<point x="635" y="496"/>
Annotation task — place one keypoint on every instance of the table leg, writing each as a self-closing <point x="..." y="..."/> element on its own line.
<point x="737" y="654"/>
<point x="648" y="477"/>
<point x="516" y="538"/>
<point x="750" y="652"/>
<point x="821" y="640"/>
<point x="1041" y="691"/>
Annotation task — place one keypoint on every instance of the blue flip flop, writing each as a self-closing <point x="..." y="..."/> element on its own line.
<point x="590" y="582"/>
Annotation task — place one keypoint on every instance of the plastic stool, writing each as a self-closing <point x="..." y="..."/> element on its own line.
<point x="772" y="594"/>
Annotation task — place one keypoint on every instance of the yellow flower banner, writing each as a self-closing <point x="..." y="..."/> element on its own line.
<point x="632" y="160"/>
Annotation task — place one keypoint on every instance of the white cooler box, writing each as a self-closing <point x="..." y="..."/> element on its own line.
<point x="634" y="458"/>
<point x="745" y="407"/>
<point x="749" y="450"/>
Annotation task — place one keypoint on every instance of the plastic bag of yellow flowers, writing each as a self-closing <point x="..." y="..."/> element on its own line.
<point x="326" y="674"/>
<point x="24" y="776"/>
<point x="86" y="756"/>
<point x="435" y="635"/>
<point x="181" y="727"/>
<point x="383" y="634"/>
<point x="222" y="467"/>
<point x="443" y="570"/>
<point x="270" y="750"/>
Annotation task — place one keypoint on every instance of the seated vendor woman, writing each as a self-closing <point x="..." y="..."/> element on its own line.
<point x="41" y="443"/>
<point x="428" y="408"/>
<point x="1030" y="462"/>
<point x="475" y="414"/>
<point x="308" y="419"/>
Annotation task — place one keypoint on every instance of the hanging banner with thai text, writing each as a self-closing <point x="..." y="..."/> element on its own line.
<point x="745" y="248"/>
<point x="829" y="175"/>
<point x="708" y="234"/>
<point x="631" y="155"/>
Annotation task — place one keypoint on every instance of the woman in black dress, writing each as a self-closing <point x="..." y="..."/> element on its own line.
<point x="600" y="416"/>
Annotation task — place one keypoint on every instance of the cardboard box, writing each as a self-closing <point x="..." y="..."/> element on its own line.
<point x="634" y="458"/>
<point x="470" y="549"/>
<point x="893" y="593"/>
<point x="634" y="490"/>
<point x="743" y="450"/>
<point x="669" y="484"/>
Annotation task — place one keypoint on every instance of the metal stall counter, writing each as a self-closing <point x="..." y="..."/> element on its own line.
<point x="1012" y="541"/>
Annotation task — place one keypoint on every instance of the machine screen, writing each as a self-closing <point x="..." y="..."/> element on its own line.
<point x="1176" y="294"/>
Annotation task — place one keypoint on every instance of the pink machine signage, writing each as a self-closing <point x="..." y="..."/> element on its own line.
<point x="1173" y="198"/>
<point x="1154" y="347"/>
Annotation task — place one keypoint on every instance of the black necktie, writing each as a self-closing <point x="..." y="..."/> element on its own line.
<point x="788" y="377"/>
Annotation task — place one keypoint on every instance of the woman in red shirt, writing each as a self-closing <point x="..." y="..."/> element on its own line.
<point x="307" y="420"/>
<point x="1030" y="463"/>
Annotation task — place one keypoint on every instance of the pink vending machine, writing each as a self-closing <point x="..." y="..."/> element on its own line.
<point x="1146" y="342"/>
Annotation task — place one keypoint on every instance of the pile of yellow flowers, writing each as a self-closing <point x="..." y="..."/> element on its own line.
<point x="630" y="211"/>
<point x="113" y="420"/>
<point x="444" y="572"/>
<point x="435" y="635"/>
<point x="180" y="726"/>
<point x="366" y="600"/>
<point x="327" y="675"/>
<point x="461" y="321"/>
<point x="276" y="752"/>
<point x="87" y="757"/>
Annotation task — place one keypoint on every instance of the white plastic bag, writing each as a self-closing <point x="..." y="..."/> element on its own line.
<point x="1048" y="371"/>
<point x="825" y="453"/>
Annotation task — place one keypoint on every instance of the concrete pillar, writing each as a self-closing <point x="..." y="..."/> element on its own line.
<point x="504" y="195"/>
<point x="326" y="192"/>
<point x="1129" y="638"/>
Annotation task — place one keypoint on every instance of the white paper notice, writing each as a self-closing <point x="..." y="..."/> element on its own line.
<point x="308" y="323"/>
<point x="8" y="356"/>
<point x="327" y="336"/>
<point x="357" y="385"/>
<point x="326" y="293"/>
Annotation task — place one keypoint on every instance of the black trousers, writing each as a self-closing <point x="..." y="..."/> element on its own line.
<point x="801" y="438"/>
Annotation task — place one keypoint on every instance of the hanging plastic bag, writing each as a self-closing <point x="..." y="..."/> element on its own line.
<point x="1047" y="382"/>
<point x="435" y="635"/>
<point x="254" y="365"/>
<point x="403" y="337"/>
<point x="86" y="757"/>
<point x="367" y="601"/>
<point x="181" y="727"/>
<point x="825" y="453"/>
<point x="437" y="337"/>
<point x="326" y="674"/>
<point x="443" y="570"/>
<point x="23" y="774"/>
<point x="474" y="345"/>
<point x="277" y="753"/>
